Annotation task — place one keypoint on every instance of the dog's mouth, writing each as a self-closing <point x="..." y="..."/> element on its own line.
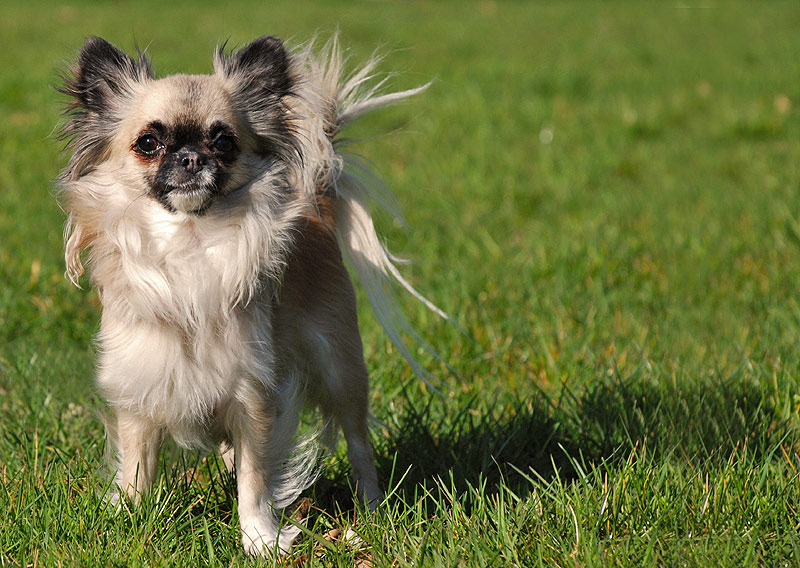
<point x="190" y="197"/>
<point x="190" y="188"/>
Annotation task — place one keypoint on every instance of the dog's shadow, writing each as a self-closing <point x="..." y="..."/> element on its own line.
<point x="421" y="449"/>
<point x="563" y="434"/>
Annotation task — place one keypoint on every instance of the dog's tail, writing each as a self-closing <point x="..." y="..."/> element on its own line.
<point x="376" y="268"/>
<point x="357" y="187"/>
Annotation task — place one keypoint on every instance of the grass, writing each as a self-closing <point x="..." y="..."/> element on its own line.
<point x="603" y="195"/>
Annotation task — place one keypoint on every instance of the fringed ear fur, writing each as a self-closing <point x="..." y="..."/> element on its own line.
<point x="98" y="86"/>
<point x="258" y="77"/>
<point x="261" y="68"/>
<point x="103" y="72"/>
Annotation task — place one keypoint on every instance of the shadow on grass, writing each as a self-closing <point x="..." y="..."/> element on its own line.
<point x="466" y="439"/>
<point x="700" y="422"/>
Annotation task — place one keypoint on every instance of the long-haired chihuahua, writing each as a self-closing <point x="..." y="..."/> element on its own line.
<point x="213" y="212"/>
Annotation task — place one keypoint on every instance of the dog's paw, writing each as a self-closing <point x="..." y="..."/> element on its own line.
<point x="260" y="540"/>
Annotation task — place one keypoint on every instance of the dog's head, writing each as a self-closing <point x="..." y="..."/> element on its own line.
<point x="183" y="140"/>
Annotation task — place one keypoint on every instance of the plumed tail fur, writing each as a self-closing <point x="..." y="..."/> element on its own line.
<point x="376" y="269"/>
<point x="356" y="187"/>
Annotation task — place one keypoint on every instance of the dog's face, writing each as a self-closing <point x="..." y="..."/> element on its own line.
<point x="181" y="138"/>
<point x="184" y="140"/>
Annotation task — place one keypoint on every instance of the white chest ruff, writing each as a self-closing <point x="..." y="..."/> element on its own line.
<point x="178" y="381"/>
<point x="181" y="323"/>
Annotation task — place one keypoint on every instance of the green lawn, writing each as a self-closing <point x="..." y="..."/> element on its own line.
<point x="605" y="196"/>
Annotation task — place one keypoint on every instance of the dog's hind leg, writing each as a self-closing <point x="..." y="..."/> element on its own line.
<point x="352" y="412"/>
<point x="359" y="452"/>
<point x="345" y="398"/>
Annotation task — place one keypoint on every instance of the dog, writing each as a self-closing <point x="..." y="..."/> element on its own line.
<point x="215" y="213"/>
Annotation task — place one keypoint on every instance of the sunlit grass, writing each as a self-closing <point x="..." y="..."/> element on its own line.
<point x="603" y="195"/>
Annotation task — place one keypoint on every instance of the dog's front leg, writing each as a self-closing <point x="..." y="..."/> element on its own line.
<point x="139" y="441"/>
<point x="258" y="454"/>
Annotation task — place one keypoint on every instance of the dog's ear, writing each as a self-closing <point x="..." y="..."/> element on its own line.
<point x="259" y="69"/>
<point x="98" y="85"/>
<point x="258" y="77"/>
<point x="103" y="74"/>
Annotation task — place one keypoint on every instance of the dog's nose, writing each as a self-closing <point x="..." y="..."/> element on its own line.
<point x="193" y="161"/>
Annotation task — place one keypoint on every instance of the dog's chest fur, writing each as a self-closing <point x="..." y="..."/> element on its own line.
<point x="186" y="309"/>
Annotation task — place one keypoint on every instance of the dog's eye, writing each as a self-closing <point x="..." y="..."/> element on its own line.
<point x="224" y="143"/>
<point x="147" y="144"/>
